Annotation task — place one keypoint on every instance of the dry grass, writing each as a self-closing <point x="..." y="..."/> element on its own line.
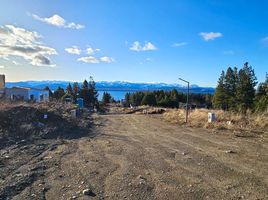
<point x="224" y="120"/>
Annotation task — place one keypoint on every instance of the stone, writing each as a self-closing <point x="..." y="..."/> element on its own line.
<point x="141" y="177"/>
<point x="230" y="151"/>
<point x="89" y="192"/>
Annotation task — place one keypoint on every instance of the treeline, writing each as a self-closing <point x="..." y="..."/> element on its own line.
<point x="107" y="98"/>
<point x="168" y="99"/>
<point x="236" y="91"/>
<point x="87" y="91"/>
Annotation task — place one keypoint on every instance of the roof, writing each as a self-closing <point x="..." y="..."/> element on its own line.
<point x="24" y="88"/>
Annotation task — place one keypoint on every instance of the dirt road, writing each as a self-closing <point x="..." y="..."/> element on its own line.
<point x="143" y="157"/>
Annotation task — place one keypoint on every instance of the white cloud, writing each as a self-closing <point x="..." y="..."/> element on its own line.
<point x="91" y="51"/>
<point x="58" y="21"/>
<point x="107" y="59"/>
<point x="2" y="67"/>
<point x="149" y="59"/>
<point x="148" y="46"/>
<point x="136" y="46"/>
<point x="94" y="60"/>
<point x="88" y="59"/>
<point x="73" y="50"/>
<point x="180" y="44"/>
<point x="210" y="35"/>
<point x="19" y="42"/>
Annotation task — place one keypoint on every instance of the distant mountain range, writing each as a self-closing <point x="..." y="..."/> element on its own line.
<point x="115" y="86"/>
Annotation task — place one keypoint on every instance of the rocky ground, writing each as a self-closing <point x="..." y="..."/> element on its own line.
<point x="134" y="156"/>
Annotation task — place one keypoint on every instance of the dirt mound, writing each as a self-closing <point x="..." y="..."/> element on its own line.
<point x="30" y="122"/>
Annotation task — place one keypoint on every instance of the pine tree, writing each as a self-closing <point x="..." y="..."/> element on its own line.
<point x="231" y="83"/>
<point x="76" y="90"/>
<point x="49" y="91"/>
<point x="219" y="99"/>
<point x="106" y="98"/>
<point x="246" y="88"/>
<point x="93" y="93"/>
<point x="149" y="99"/>
<point x="85" y="94"/>
<point x="69" y="89"/>
<point x="136" y="98"/>
<point x="261" y="98"/>
<point x="127" y="99"/>
<point x="59" y="93"/>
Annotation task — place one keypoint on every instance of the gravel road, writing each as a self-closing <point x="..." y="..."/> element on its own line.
<point x="139" y="157"/>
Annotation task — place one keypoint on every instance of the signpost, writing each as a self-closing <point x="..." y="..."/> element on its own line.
<point x="187" y="101"/>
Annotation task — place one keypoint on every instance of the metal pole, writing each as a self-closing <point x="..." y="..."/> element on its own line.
<point x="187" y="101"/>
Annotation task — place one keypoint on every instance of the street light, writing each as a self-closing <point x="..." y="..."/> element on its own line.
<point x="187" y="101"/>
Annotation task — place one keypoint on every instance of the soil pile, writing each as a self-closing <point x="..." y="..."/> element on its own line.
<point x="21" y="122"/>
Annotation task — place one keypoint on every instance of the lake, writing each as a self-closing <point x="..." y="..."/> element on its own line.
<point x="116" y="94"/>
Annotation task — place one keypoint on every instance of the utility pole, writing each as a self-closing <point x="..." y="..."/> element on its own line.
<point x="187" y="101"/>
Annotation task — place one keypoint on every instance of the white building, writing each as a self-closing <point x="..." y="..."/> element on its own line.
<point x="27" y="94"/>
<point x="20" y="93"/>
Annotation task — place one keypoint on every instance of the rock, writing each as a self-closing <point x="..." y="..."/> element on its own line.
<point x="45" y="189"/>
<point x="89" y="192"/>
<point x="230" y="151"/>
<point x="74" y="197"/>
<point x="141" y="177"/>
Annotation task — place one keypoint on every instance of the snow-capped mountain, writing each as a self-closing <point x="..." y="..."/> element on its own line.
<point x="114" y="86"/>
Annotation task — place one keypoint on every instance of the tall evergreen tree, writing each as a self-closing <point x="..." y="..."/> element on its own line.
<point x="93" y="93"/>
<point x="231" y="84"/>
<point x="261" y="98"/>
<point x="59" y="93"/>
<point x="49" y="91"/>
<point x="76" y="91"/>
<point x="69" y="89"/>
<point x="246" y="88"/>
<point x="85" y="94"/>
<point x="149" y="99"/>
<point x="127" y="99"/>
<point x="106" y="98"/>
<point x="219" y="99"/>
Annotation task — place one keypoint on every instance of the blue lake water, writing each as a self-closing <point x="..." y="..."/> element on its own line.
<point x="116" y="94"/>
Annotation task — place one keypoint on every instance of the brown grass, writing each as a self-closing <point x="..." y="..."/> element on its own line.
<point x="224" y="119"/>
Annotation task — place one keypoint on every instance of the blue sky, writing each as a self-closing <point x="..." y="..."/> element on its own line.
<point x="135" y="40"/>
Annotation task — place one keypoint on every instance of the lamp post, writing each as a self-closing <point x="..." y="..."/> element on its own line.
<point x="187" y="101"/>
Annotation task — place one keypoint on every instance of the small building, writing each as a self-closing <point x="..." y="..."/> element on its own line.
<point x="27" y="94"/>
<point x="21" y="93"/>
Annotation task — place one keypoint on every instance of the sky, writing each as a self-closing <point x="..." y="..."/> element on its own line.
<point x="134" y="40"/>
